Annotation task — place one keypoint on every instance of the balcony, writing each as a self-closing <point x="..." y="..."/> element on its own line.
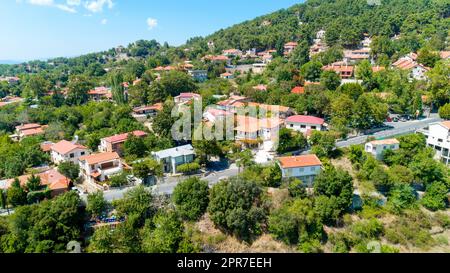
<point x="111" y="171"/>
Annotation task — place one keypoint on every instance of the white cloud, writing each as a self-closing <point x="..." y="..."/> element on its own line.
<point x="152" y="23"/>
<point x="104" y="21"/>
<point x="41" y="2"/>
<point x="73" y="2"/>
<point x="66" y="8"/>
<point x="97" y="5"/>
<point x="51" y="3"/>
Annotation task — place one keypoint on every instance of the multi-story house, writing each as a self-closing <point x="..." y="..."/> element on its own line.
<point x="115" y="143"/>
<point x="304" y="167"/>
<point x="172" y="158"/>
<point x="100" y="167"/>
<point x="439" y="139"/>
<point x="65" y="151"/>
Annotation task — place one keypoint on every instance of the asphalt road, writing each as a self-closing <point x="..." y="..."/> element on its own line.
<point x="398" y="128"/>
<point x="169" y="183"/>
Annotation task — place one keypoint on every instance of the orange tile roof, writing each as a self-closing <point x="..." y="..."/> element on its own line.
<point x="51" y="178"/>
<point x="299" y="161"/>
<point x="99" y="158"/>
<point x="298" y="90"/>
<point x="377" y="68"/>
<point x="446" y="124"/>
<point x="28" y="126"/>
<point x="64" y="147"/>
<point x="33" y="132"/>
<point x="124" y="137"/>
<point x="385" y="142"/>
<point x="444" y="54"/>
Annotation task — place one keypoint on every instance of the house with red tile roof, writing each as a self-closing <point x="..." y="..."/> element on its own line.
<point x="100" y="93"/>
<point x="55" y="181"/>
<point x="147" y="110"/>
<point x="232" y="103"/>
<point x="303" y="123"/>
<point x="97" y="168"/>
<point x="343" y="70"/>
<point x="378" y="147"/>
<point x="66" y="151"/>
<point x="186" y="97"/>
<point x="408" y="62"/>
<point x="115" y="143"/>
<point x="289" y="47"/>
<point x="227" y="76"/>
<point x="213" y="115"/>
<point x="304" y="167"/>
<point x="251" y="128"/>
<point x="357" y="55"/>
<point x="28" y="130"/>
<point x="232" y="52"/>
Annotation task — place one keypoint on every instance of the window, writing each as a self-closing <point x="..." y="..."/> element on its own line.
<point x="292" y="125"/>
<point x="440" y="140"/>
<point x="303" y="126"/>
<point x="302" y="170"/>
<point x="314" y="127"/>
<point x="83" y="153"/>
<point x="313" y="169"/>
<point x="72" y="155"/>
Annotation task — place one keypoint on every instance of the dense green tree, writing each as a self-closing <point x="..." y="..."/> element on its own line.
<point x="296" y="222"/>
<point x="147" y="168"/>
<point x="78" y="88"/>
<point x="69" y="170"/>
<point x="336" y="183"/>
<point x="34" y="183"/>
<point x="289" y="141"/>
<point x="16" y="195"/>
<point x="134" y="147"/>
<point x="300" y="55"/>
<point x="297" y="188"/>
<point x="323" y="143"/>
<point x="435" y="197"/>
<point x="96" y="204"/>
<point x="444" y="111"/>
<point x="311" y="71"/>
<point x="137" y="202"/>
<point x="235" y="206"/>
<point x="117" y="88"/>
<point x="166" y="237"/>
<point x="330" y="80"/>
<point x="191" y="198"/>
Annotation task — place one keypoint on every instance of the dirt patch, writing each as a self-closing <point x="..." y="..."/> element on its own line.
<point x="216" y="241"/>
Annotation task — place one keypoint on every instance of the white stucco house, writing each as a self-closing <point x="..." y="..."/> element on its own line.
<point x="378" y="147"/>
<point x="100" y="167"/>
<point x="174" y="157"/>
<point x="438" y="138"/>
<point x="65" y="151"/>
<point x="304" y="167"/>
<point x="304" y="124"/>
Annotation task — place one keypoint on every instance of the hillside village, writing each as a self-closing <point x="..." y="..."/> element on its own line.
<point x="337" y="141"/>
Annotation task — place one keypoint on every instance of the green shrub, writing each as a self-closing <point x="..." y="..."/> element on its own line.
<point x="188" y="168"/>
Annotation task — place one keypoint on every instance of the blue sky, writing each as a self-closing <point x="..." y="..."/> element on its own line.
<point x="35" y="29"/>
